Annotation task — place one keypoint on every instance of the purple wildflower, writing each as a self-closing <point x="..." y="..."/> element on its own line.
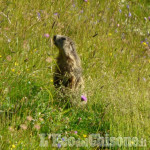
<point x="145" y="18"/>
<point x="81" y="11"/>
<point x="63" y="139"/>
<point x="120" y="10"/>
<point x="149" y="18"/>
<point x="144" y="79"/>
<point x="46" y="35"/>
<point x="130" y="14"/>
<point x="38" y="15"/>
<point x="59" y="145"/>
<point x="75" y="132"/>
<point x="74" y="5"/>
<point x="55" y="14"/>
<point x="128" y="6"/>
<point x="83" y="98"/>
<point x="85" y="0"/>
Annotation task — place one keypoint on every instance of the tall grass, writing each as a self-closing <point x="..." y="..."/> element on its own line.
<point x="113" y="41"/>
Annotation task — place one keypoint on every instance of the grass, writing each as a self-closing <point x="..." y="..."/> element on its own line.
<point x="113" y="41"/>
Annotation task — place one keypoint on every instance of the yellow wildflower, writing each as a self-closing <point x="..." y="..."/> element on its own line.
<point x="110" y="54"/>
<point x="84" y="135"/>
<point x="13" y="70"/>
<point x="51" y="80"/>
<point x="0" y="56"/>
<point x="109" y="34"/>
<point x="132" y="142"/>
<point x="13" y="146"/>
<point x="149" y="60"/>
<point x="144" y="43"/>
<point x="16" y="64"/>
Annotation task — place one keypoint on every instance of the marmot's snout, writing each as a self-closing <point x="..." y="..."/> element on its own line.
<point x="59" y="40"/>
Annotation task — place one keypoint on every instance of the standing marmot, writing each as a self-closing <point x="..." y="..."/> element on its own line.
<point x="68" y="71"/>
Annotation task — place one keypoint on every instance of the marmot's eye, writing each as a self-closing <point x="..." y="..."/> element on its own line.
<point x="63" y="38"/>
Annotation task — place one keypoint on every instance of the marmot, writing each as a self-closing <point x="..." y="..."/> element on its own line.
<point x="68" y="72"/>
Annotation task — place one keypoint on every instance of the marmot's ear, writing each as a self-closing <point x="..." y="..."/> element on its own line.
<point x="73" y="46"/>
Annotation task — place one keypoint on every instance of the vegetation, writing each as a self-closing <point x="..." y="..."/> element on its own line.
<point x="113" y="41"/>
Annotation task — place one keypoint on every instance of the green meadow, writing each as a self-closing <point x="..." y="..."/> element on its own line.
<point x="113" y="41"/>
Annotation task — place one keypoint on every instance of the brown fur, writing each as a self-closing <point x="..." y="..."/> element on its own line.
<point x="68" y="72"/>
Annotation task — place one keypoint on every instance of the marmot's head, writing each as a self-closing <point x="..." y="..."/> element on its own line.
<point x="65" y="45"/>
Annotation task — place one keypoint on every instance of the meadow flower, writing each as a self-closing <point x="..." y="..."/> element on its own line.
<point x="48" y="59"/>
<point x="46" y="35"/>
<point x="110" y="54"/>
<point x="118" y="25"/>
<point x="144" y="43"/>
<point x="128" y="6"/>
<point x="120" y="10"/>
<point x="37" y="126"/>
<point x="16" y="64"/>
<point x="109" y="34"/>
<point x="63" y="139"/>
<point x="75" y="132"/>
<point x="59" y="145"/>
<point x="29" y="118"/>
<point x="0" y="56"/>
<point x="84" y="135"/>
<point x="147" y="43"/>
<point x="13" y="146"/>
<point x="132" y="142"/>
<point x="51" y="80"/>
<point x="130" y="14"/>
<point x="83" y="98"/>
<point x="85" y="0"/>
<point x="8" y="58"/>
<point x="55" y="14"/>
<point x="145" y="18"/>
<point x="9" y="40"/>
<point x="149" y="18"/>
<point x="38" y="15"/>
<point x="74" y="5"/>
<point x="41" y="119"/>
<point x="81" y="11"/>
<point x="49" y="136"/>
<point x="23" y="126"/>
<point x="11" y="129"/>
<point x="13" y="70"/>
